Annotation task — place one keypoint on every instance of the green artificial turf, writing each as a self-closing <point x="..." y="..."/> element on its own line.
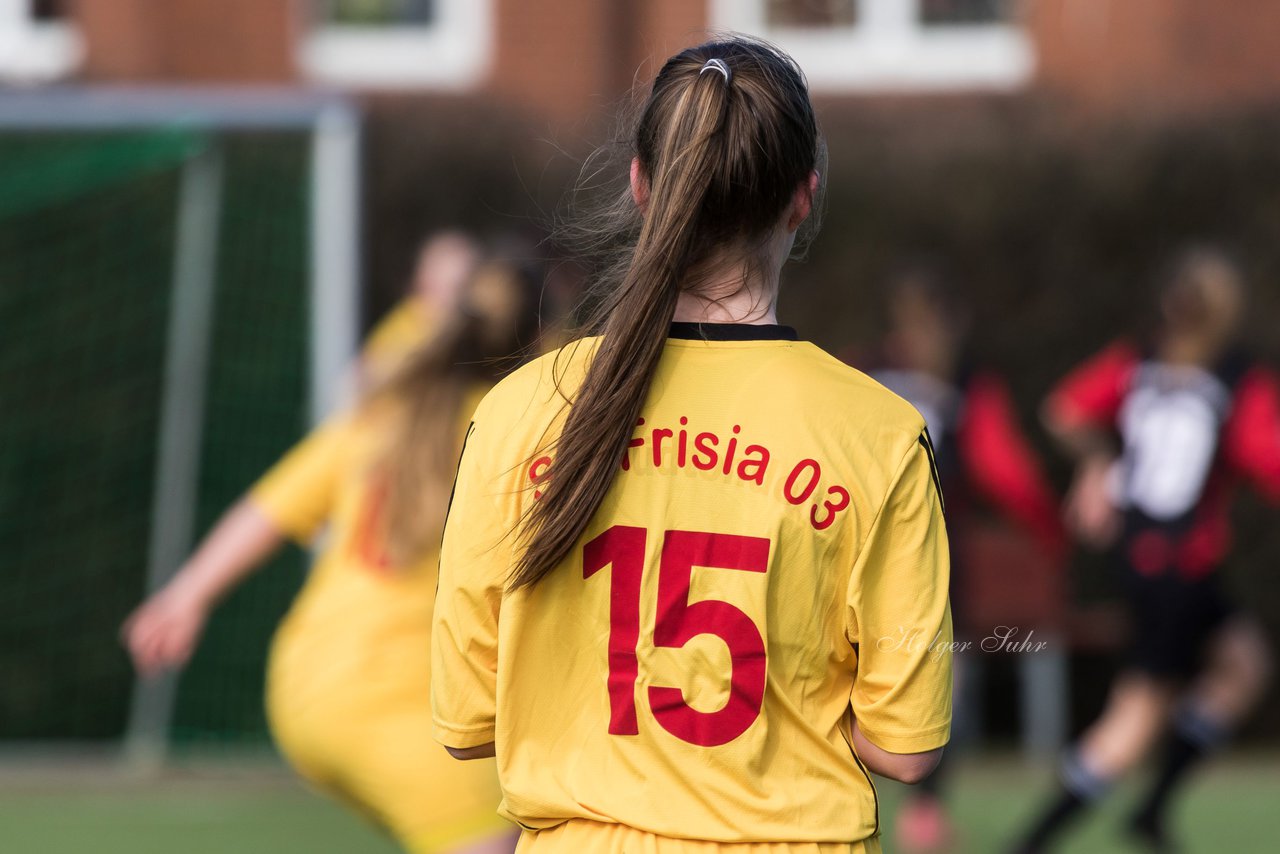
<point x="1234" y="807"/>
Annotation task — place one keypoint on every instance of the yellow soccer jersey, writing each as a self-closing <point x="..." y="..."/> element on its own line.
<point x="406" y="327"/>
<point x="770" y="563"/>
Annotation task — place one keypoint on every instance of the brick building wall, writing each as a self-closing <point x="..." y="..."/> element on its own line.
<point x="548" y="64"/>
<point x="188" y="41"/>
<point x="1109" y="55"/>
<point x="563" y="60"/>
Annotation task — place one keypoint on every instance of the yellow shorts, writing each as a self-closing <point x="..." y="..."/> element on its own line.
<point x="372" y="749"/>
<point x="581" y="836"/>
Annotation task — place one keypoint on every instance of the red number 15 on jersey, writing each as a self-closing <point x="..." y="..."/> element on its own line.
<point x="678" y="622"/>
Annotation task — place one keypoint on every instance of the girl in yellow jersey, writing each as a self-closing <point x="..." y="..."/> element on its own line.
<point x="350" y="665"/>
<point x="693" y="586"/>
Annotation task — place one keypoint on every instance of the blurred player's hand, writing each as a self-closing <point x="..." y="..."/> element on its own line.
<point x="163" y="632"/>
<point x="1090" y="513"/>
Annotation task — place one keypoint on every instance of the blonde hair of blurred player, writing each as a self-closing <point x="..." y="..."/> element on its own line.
<point x="428" y="396"/>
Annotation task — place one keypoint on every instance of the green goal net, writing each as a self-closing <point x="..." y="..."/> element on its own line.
<point x="165" y="333"/>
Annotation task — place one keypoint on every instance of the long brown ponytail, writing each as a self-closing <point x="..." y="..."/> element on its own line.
<point x="723" y="147"/>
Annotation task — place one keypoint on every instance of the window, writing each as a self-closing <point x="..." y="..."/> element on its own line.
<point x="377" y="13"/>
<point x="811" y="13"/>
<point x="444" y="44"/>
<point x="943" y="12"/>
<point x="892" y="45"/>
<point x="37" y="40"/>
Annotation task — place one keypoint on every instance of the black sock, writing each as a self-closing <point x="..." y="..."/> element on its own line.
<point x="1194" y="737"/>
<point x="1079" y="789"/>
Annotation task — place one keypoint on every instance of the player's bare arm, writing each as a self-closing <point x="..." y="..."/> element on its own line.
<point x="909" y="768"/>
<point x="164" y="630"/>
<point x="1088" y="509"/>
<point x="480" y="751"/>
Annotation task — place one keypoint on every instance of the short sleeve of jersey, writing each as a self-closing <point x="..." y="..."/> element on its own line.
<point x="1251" y="438"/>
<point x="297" y="494"/>
<point x="1091" y="395"/>
<point x="474" y="562"/>
<point x="899" y="615"/>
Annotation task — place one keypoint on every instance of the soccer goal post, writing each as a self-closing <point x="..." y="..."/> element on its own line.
<point x="179" y="289"/>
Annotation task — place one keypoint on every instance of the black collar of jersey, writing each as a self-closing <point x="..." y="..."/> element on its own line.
<point x="732" y="332"/>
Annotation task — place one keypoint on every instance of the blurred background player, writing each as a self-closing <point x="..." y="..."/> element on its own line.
<point x="1158" y="431"/>
<point x="349" y="671"/>
<point x="446" y="262"/>
<point x="985" y="463"/>
<point x="676" y="639"/>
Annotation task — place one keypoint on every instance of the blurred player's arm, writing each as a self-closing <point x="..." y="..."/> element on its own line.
<point x="164" y="630"/>
<point x="1251" y="440"/>
<point x="999" y="460"/>
<point x="464" y="637"/>
<point x="292" y="500"/>
<point x="1080" y="413"/>
<point x="899" y="617"/>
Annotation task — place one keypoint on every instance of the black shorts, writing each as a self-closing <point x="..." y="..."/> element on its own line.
<point x="1174" y="619"/>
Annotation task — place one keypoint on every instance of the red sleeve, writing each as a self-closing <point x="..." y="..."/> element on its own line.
<point x="1000" y="463"/>
<point x="1251" y="437"/>
<point x="1090" y="396"/>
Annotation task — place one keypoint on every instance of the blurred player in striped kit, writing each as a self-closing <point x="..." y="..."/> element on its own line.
<point x="349" y="671"/>
<point x="1160" y="429"/>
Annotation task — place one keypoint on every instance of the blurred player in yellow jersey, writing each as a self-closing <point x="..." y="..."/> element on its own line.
<point x="693" y="586"/>
<point x="348" y="697"/>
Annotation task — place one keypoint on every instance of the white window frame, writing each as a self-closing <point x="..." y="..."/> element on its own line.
<point x="453" y="52"/>
<point x="891" y="50"/>
<point x="35" y="51"/>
